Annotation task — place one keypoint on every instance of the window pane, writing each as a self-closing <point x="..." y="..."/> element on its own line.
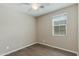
<point x="60" y="17"/>
<point x="59" y="24"/>
<point x="56" y="22"/>
<point x="62" y="30"/>
<point x="62" y="22"/>
<point x="56" y="30"/>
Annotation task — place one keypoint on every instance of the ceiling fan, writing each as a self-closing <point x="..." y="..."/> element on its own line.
<point x="36" y="6"/>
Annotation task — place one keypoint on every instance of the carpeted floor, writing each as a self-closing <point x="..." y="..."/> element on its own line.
<point x="40" y="50"/>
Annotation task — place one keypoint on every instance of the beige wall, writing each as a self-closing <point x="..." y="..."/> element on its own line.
<point x="16" y="30"/>
<point x="78" y="29"/>
<point x="44" y="27"/>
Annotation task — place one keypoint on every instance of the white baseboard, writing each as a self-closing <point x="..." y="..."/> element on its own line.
<point x="59" y="48"/>
<point x="38" y="43"/>
<point x="17" y="49"/>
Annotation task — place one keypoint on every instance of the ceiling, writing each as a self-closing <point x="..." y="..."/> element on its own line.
<point x="26" y="8"/>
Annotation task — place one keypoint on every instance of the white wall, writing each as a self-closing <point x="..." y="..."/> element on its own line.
<point x="68" y="42"/>
<point x="16" y="30"/>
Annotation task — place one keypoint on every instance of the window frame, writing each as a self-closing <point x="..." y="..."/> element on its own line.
<point x="53" y="32"/>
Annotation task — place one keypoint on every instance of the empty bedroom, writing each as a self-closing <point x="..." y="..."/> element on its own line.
<point x="38" y="29"/>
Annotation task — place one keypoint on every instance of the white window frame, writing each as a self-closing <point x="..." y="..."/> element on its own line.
<point x="53" y="33"/>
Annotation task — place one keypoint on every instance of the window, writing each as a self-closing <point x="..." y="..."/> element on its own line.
<point x="59" y="24"/>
